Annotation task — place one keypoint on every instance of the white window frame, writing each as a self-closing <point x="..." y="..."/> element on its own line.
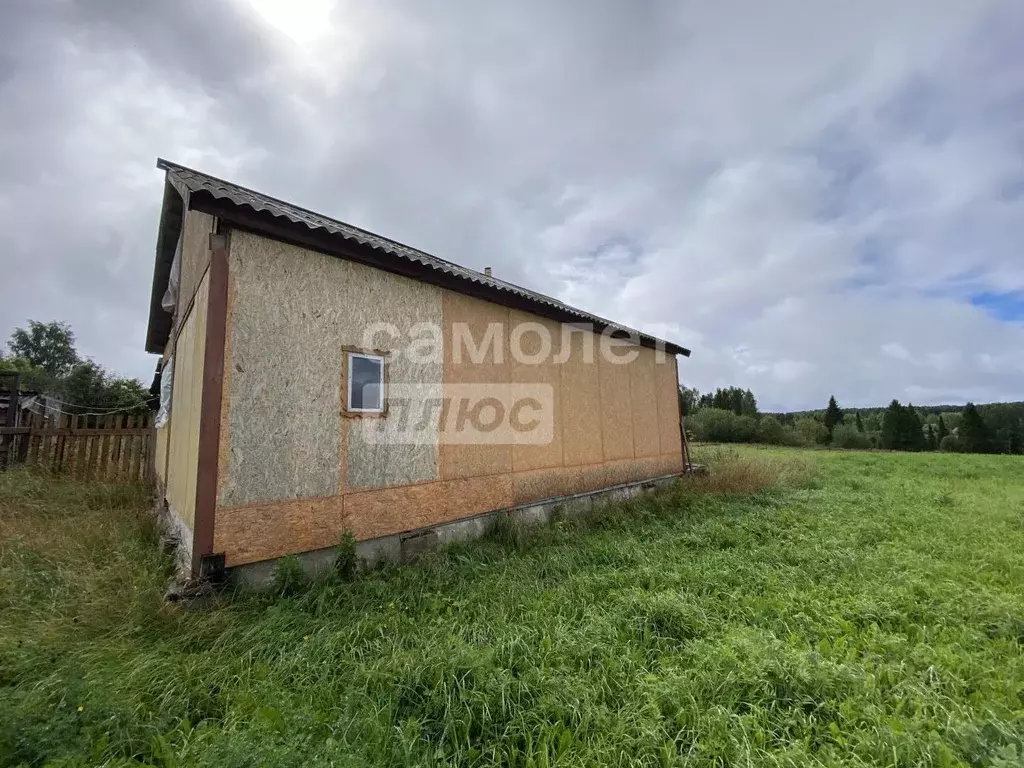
<point x="383" y="379"/>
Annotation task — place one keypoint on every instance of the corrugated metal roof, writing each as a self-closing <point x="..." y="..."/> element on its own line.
<point x="196" y="182"/>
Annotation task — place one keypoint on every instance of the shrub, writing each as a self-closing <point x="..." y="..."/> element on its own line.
<point x="730" y="472"/>
<point x="771" y="432"/>
<point x="812" y="431"/>
<point x="715" y="425"/>
<point x="847" y="436"/>
<point x="289" y="576"/>
<point x="951" y="444"/>
<point x="347" y="561"/>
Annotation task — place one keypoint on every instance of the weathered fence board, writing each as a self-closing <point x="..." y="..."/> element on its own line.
<point x="110" y="447"/>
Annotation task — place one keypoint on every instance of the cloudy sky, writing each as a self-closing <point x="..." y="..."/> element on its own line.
<point x="816" y="197"/>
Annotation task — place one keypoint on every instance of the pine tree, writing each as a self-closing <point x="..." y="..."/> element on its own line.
<point x="913" y="433"/>
<point x="860" y="424"/>
<point x="943" y="432"/>
<point x="930" y="442"/>
<point x="891" y="427"/>
<point x="973" y="433"/>
<point x="833" y="415"/>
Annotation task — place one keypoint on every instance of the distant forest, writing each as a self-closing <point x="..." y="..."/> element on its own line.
<point x="731" y="415"/>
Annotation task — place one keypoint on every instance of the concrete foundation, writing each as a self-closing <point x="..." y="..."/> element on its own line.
<point x="404" y="547"/>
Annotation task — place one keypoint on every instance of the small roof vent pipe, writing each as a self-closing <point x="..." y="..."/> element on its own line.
<point x="487" y="271"/>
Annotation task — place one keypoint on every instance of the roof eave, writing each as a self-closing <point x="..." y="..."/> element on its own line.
<point x="333" y="244"/>
<point x="171" y="214"/>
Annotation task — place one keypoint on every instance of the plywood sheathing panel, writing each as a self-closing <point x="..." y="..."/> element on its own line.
<point x="392" y="510"/>
<point x="257" y="532"/>
<point x="293" y="312"/>
<point x="186" y="402"/>
<point x="668" y="405"/>
<point x="616" y="410"/>
<point x="457" y="460"/>
<point x="563" y="481"/>
<point x="526" y="453"/>
<point x="580" y="397"/>
<point x="195" y="256"/>
<point x="644" y="399"/>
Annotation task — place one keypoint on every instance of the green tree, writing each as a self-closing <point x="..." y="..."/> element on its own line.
<point x="892" y="429"/>
<point x="930" y="441"/>
<point x="847" y="436"/>
<point x="31" y="377"/>
<point x="943" y="432"/>
<point x="91" y="388"/>
<point x="833" y="415"/>
<point x="860" y="424"/>
<point x="770" y="431"/>
<point x="812" y="431"/>
<point x="749" y="403"/>
<point x="973" y="432"/>
<point x="688" y="399"/>
<point x="913" y="434"/>
<point x="49" y="346"/>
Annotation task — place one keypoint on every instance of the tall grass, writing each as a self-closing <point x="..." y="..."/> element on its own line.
<point x="789" y="609"/>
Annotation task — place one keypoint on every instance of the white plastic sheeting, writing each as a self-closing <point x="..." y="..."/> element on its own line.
<point x="166" y="387"/>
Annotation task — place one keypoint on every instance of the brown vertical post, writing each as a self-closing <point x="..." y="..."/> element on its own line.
<point x="209" y="413"/>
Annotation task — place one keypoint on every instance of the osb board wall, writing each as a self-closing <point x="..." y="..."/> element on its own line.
<point x="644" y="400"/>
<point x="581" y="404"/>
<point x="527" y="456"/>
<point x="195" y="255"/>
<point x="294" y="473"/>
<point x="186" y="400"/>
<point x="458" y="461"/>
<point x="292" y="312"/>
<point x="255" y="532"/>
<point x="667" y="383"/>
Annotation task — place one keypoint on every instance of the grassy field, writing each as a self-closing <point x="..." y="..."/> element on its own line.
<point x="798" y="608"/>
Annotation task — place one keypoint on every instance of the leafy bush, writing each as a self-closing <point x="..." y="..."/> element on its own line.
<point x="951" y="444"/>
<point x="289" y="576"/>
<point x="812" y="431"/>
<point x="770" y="431"/>
<point x="715" y="425"/>
<point x="347" y="561"/>
<point x="847" y="436"/>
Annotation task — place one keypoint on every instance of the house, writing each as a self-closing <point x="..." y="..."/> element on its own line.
<point x="318" y="378"/>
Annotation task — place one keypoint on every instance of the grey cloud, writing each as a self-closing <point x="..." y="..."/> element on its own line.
<point x="717" y="172"/>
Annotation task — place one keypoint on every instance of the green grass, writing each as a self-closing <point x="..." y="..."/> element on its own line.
<point x="796" y="608"/>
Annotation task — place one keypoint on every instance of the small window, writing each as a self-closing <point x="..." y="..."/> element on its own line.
<point x="365" y="383"/>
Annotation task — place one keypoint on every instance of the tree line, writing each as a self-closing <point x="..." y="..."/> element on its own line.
<point x="730" y="415"/>
<point x="45" y="357"/>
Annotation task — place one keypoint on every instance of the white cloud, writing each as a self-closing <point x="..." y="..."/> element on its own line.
<point x="807" y="195"/>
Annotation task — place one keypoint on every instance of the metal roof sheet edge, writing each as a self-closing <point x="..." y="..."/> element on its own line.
<point x="237" y="195"/>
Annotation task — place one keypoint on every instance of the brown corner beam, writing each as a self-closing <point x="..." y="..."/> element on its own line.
<point x="209" y="414"/>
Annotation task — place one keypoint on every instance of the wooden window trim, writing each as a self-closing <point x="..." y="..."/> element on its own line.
<point x="385" y="355"/>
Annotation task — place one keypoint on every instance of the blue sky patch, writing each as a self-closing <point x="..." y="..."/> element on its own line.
<point x="1005" y="306"/>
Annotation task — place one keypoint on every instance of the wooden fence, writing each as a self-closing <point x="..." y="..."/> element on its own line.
<point x="113" y="448"/>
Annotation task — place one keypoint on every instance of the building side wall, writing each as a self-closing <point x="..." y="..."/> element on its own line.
<point x="195" y="256"/>
<point x="160" y="454"/>
<point x="182" y="432"/>
<point x="292" y="314"/>
<point x="295" y="471"/>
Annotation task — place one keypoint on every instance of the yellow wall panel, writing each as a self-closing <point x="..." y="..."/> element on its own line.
<point x="616" y="410"/>
<point x="526" y="454"/>
<point x="668" y="405"/>
<point x="186" y="403"/>
<point x="581" y="402"/>
<point x="644" y="398"/>
<point x="475" y="317"/>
